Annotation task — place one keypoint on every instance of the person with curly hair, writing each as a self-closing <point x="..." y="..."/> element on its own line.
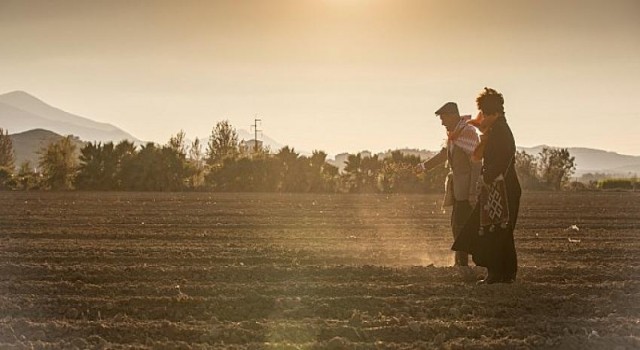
<point x="488" y="234"/>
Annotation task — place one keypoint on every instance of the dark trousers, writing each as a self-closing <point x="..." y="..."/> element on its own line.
<point x="461" y="212"/>
<point x="507" y="264"/>
<point x="503" y="261"/>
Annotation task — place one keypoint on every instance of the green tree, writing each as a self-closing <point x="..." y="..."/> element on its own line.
<point x="398" y="174"/>
<point x="126" y="153"/>
<point x="7" y="156"/>
<point x="197" y="164"/>
<point x="234" y="175"/>
<point x="353" y="178"/>
<point x="286" y="171"/>
<point x="7" y="180"/>
<point x="526" y="166"/>
<point x="175" y="170"/>
<point x="101" y="165"/>
<point x="361" y="173"/>
<point x="91" y="167"/>
<point x="152" y="168"/>
<point x="58" y="163"/>
<point x="141" y="171"/>
<point x="322" y="176"/>
<point x="268" y="173"/>
<point x="293" y="172"/>
<point x="28" y="177"/>
<point x="223" y="143"/>
<point x="178" y="143"/>
<point x="556" y="167"/>
<point x="434" y="180"/>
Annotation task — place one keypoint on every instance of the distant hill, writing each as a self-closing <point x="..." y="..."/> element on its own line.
<point x="589" y="160"/>
<point x="267" y="141"/>
<point x="20" y="111"/>
<point x="28" y="144"/>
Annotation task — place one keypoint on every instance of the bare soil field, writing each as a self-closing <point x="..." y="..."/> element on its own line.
<point x="285" y="271"/>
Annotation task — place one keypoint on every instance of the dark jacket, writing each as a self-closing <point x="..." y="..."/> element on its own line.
<point x="498" y="158"/>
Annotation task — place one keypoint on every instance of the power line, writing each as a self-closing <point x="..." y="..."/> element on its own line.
<point x="255" y="130"/>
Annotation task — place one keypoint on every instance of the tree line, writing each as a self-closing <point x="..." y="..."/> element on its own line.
<point x="551" y="169"/>
<point x="222" y="164"/>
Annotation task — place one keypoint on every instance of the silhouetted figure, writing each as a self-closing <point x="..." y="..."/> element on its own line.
<point x="488" y="234"/>
<point x="462" y="140"/>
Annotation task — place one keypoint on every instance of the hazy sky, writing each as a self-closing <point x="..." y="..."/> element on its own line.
<point x="336" y="75"/>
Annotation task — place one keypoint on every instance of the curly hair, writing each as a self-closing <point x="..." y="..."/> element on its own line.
<point x="490" y="101"/>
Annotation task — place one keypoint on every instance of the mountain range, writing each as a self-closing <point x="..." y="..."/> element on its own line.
<point x="589" y="160"/>
<point x="21" y="113"/>
<point x="28" y="144"/>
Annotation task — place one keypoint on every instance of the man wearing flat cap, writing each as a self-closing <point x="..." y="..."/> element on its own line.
<point x="464" y="172"/>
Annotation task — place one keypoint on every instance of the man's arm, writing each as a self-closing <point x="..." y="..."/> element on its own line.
<point x="434" y="161"/>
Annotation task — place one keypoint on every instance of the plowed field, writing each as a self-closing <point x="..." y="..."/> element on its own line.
<point x="253" y="271"/>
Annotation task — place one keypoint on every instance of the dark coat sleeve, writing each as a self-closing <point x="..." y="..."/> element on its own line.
<point x="499" y="152"/>
<point x="436" y="160"/>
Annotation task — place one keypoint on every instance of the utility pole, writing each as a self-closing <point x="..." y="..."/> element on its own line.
<point x="255" y="130"/>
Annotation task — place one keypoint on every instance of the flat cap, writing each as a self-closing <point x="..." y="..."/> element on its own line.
<point x="448" y="108"/>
